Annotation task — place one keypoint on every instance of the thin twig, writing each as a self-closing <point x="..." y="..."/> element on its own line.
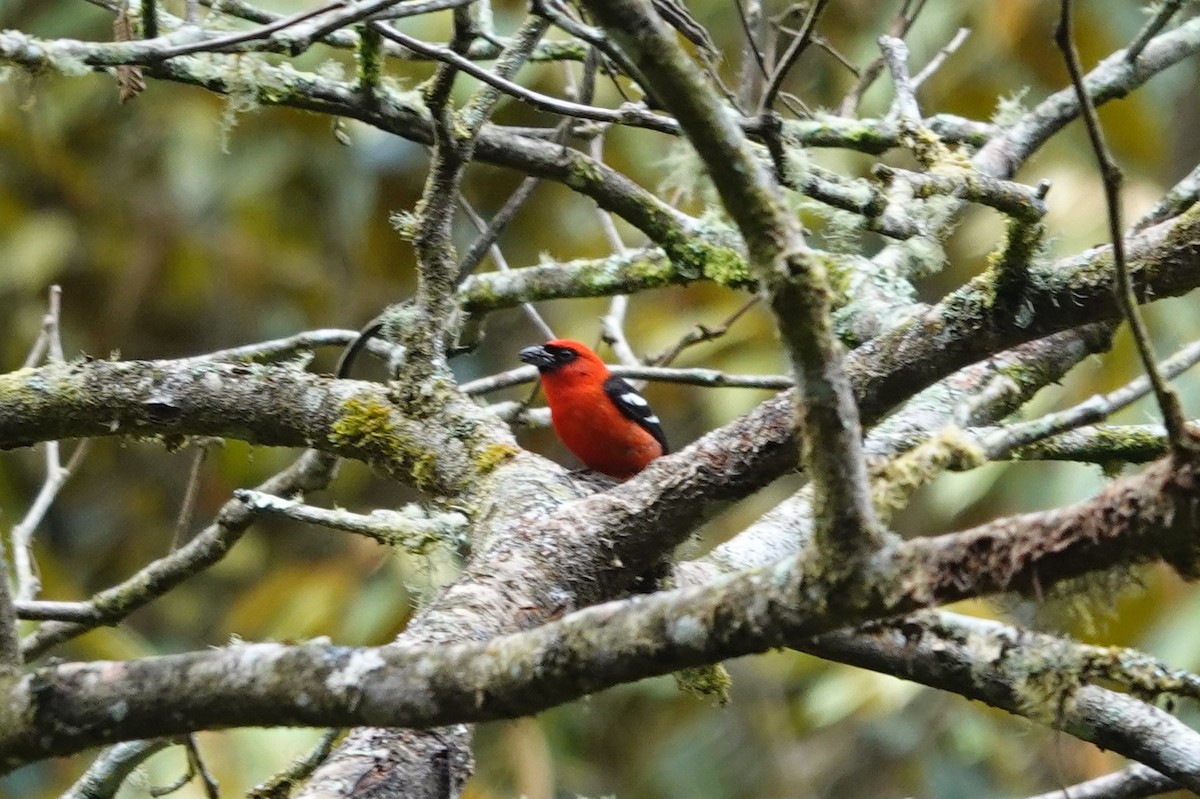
<point x="300" y="342"/>
<point x="751" y="18"/>
<point x="903" y="22"/>
<point x="187" y="508"/>
<point x="626" y="115"/>
<point x="940" y="57"/>
<point x="109" y="771"/>
<point x="501" y="262"/>
<point x="797" y="46"/>
<point x="612" y="324"/>
<point x="1133" y="782"/>
<point x="1091" y="410"/>
<point x="29" y="585"/>
<point x="222" y="43"/>
<point x="905" y="106"/>
<point x="1110" y="173"/>
<point x="211" y="791"/>
<point x="279" y="786"/>
<point x="410" y="529"/>
<point x="702" y="333"/>
<point x="49" y="338"/>
<point x="49" y="343"/>
<point x="1182" y="196"/>
<point x="709" y="378"/>
<point x="195" y="768"/>
<point x="1151" y="29"/>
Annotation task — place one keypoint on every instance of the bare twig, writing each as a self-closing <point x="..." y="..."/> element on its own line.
<point x="29" y="585"/>
<point x="187" y="508"/>
<point x="936" y="62"/>
<point x="290" y="345"/>
<point x="49" y="344"/>
<point x="712" y="378"/>
<point x="222" y="43"/>
<point x="411" y="529"/>
<point x="1110" y="173"/>
<point x="790" y="56"/>
<point x="195" y="768"/>
<point x="612" y="324"/>
<point x="753" y="68"/>
<point x="197" y="764"/>
<point x="903" y="21"/>
<point x="310" y="472"/>
<point x="904" y="106"/>
<point x="702" y="333"/>
<point x="109" y="771"/>
<point x="1155" y="24"/>
<point x="626" y="115"/>
<point x="49" y="338"/>
<point x="1182" y="196"/>
<point x="488" y="232"/>
<point x="1092" y="410"/>
<point x="279" y="786"/>
<point x="1133" y="782"/>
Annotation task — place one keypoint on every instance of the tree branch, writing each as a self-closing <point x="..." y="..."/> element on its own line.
<point x="1136" y="519"/>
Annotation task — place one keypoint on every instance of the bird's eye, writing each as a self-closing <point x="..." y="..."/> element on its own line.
<point x="561" y="355"/>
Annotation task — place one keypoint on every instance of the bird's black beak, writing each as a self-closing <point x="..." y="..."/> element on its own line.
<point x="538" y="356"/>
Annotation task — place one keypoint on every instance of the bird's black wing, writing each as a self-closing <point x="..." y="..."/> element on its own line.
<point x="634" y="406"/>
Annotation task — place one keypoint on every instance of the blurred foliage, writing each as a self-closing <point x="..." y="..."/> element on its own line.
<point x="180" y="223"/>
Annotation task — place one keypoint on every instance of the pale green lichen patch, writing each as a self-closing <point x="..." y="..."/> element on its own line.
<point x="894" y="482"/>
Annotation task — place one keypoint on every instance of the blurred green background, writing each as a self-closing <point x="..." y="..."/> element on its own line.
<point x="180" y="223"/>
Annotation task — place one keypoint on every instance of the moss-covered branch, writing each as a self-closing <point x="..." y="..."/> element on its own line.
<point x="793" y="274"/>
<point x="64" y="708"/>
<point x="439" y="447"/>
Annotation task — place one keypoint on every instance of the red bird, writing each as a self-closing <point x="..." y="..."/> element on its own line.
<point x="602" y="419"/>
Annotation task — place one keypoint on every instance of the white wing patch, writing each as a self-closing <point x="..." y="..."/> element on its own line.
<point x="634" y="406"/>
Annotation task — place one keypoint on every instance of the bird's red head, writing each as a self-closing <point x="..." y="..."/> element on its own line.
<point x="564" y="360"/>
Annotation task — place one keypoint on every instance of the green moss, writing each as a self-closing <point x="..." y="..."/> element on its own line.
<point x="584" y="172"/>
<point x="14" y="382"/>
<point x="424" y="471"/>
<point x="1021" y="248"/>
<point x="900" y="477"/>
<point x="652" y="272"/>
<point x="492" y="455"/>
<point x="727" y="267"/>
<point x="1183" y="232"/>
<point x="366" y="424"/>
<point x="706" y="682"/>
<point x="369" y="57"/>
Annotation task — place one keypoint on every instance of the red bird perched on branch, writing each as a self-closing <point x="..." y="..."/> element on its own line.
<point x="602" y="419"/>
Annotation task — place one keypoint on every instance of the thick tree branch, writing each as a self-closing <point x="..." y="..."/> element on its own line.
<point x="782" y="261"/>
<point x="1146" y="517"/>
<point x="1026" y="673"/>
